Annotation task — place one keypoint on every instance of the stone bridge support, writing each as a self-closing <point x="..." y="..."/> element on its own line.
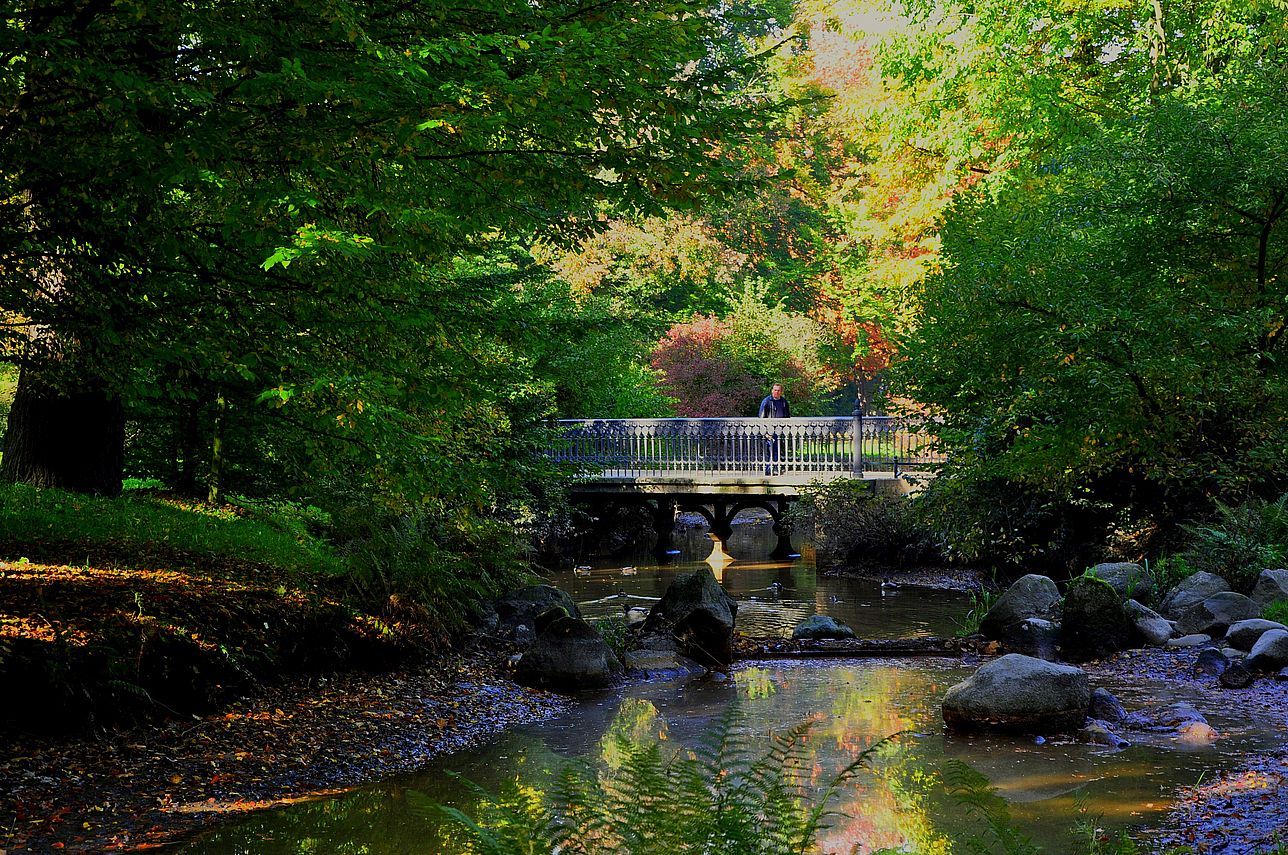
<point x="717" y="509"/>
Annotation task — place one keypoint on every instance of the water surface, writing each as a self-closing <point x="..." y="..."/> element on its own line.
<point x="851" y="705"/>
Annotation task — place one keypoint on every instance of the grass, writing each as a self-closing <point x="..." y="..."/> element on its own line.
<point x="125" y="609"/>
<point x="139" y="527"/>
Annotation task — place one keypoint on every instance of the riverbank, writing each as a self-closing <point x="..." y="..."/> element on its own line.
<point x="143" y="786"/>
<point x="1240" y="812"/>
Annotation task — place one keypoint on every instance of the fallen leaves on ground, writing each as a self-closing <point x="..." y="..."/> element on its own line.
<point x="141" y="787"/>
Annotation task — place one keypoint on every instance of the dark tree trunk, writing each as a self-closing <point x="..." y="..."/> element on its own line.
<point x="74" y="441"/>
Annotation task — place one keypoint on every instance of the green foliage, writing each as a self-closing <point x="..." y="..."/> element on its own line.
<point x="721" y="798"/>
<point x="1276" y="611"/>
<point x="1016" y="527"/>
<point x="427" y="568"/>
<point x="615" y="634"/>
<point x="848" y="521"/>
<point x="981" y="600"/>
<point x="993" y="832"/>
<point x="1243" y="540"/>
<point x="67" y="526"/>
<point x="725" y="366"/>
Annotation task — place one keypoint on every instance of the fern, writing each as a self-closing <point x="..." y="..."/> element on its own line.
<point x="996" y="832"/>
<point x="722" y="797"/>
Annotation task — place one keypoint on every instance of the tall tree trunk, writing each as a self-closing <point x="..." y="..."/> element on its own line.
<point x="74" y="441"/>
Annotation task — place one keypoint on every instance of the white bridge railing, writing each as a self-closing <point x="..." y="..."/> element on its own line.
<point x="636" y="447"/>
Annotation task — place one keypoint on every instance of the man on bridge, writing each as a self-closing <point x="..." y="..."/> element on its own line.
<point x="774" y="406"/>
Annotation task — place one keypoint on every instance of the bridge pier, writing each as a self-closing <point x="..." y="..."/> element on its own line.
<point x="718" y="509"/>
<point x="664" y="511"/>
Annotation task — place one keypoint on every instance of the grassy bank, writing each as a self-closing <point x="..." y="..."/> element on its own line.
<point x="125" y="609"/>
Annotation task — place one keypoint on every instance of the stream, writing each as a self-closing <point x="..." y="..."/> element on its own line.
<point x="853" y="704"/>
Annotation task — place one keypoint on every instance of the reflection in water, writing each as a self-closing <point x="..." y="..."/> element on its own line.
<point x="773" y="596"/>
<point x="852" y="707"/>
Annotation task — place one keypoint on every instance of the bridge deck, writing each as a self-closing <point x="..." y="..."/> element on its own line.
<point x="742" y="483"/>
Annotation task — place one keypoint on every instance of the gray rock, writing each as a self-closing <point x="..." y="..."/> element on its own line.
<point x="660" y="664"/>
<point x="1098" y="734"/>
<point x="1271" y="585"/>
<point x="822" y="626"/>
<point x="568" y="656"/>
<point x="1214" y="615"/>
<point x="1212" y="662"/>
<point x="1270" y="653"/>
<point x="1105" y="707"/>
<point x="1021" y="694"/>
<point x="1094" y="624"/>
<point x="1282" y="675"/>
<point x="1192" y="591"/>
<point x="1176" y="716"/>
<point x="1188" y="641"/>
<point x="522" y="607"/>
<point x="1243" y="634"/>
<point x="1034" y="637"/>
<point x="1234" y="655"/>
<point x="699" y="615"/>
<point x="1031" y="596"/>
<point x="1127" y="578"/>
<point x="1237" y="676"/>
<point x="1150" y="625"/>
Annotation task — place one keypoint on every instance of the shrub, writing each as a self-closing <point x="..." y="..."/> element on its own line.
<point x="849" y="522"/>
<point x="1276" y="611"/>
<point x="1166" y="573"/>
<point x="1241" y="542"/>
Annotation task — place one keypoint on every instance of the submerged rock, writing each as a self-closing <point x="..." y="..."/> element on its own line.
<point x="822" y="626"/>
<point x="1105" y="707"/>
<point x="1019" y="693"/>
<point x="699" y="615"/>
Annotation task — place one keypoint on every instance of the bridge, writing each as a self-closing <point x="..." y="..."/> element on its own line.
<point x="720" y="466"/>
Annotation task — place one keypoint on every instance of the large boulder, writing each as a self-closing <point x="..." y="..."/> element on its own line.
<point x="1242" y="635"/>
<point x="1150" y="625"/>
<point x="1034" y="637"/>
<point x="516" y="613"/>
<point x="1270" y="653"/>
<point x="1095" y="624"/>
<point x="1271" y="585"/>
<point x="699" y="616"/>
<point x="1127" y="578"/>
<point x="822" y="626"/>
<point x="569" y="655"/>
<point x="1019" y="693"/>
<point x="1190" y="592"/>
<point x="1032" y="596"/>
<point x="1215" y="614"/>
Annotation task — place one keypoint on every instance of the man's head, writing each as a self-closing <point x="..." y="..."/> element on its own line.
<point x="777" y="391"/>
